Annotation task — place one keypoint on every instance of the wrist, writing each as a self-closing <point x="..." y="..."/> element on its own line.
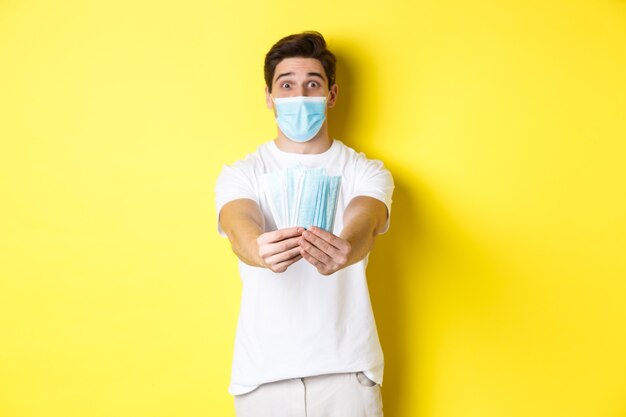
<point x="247" y="249"/>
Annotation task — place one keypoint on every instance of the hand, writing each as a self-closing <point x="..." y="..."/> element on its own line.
<point x="325" y="251"/>
<point x="279" y="249"/>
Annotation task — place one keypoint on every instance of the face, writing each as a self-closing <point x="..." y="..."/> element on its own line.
<point x="300" y="77"/>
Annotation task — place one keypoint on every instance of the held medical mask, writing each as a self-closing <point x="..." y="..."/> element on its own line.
<point x="301" y="196"/>
<point x="300" y="118"/>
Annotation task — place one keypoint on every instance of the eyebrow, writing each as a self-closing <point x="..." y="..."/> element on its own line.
<point x="314" y="74"/>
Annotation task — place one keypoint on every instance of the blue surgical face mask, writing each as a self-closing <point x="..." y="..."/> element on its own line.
<point x="300" y="118"/>
<point x="299" y="196"/>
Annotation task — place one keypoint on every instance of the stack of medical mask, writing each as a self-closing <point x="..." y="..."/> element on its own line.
<point x="302" y="197"/>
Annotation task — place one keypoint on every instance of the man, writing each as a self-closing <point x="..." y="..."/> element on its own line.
<point x="306" y="342"/>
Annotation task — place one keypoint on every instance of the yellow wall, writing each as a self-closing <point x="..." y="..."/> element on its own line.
<point x="500" y="290"/>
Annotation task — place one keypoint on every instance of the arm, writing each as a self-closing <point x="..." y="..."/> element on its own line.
<point x="243" y="223"/>
<point x="364" y="218"/>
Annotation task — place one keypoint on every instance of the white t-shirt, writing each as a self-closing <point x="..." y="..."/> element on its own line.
<point x="300" y="323"/>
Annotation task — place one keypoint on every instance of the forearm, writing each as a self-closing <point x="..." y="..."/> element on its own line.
<point x="359" y="232"/>
<point x="363" y="218"/>
<point x="243" y="222"/>
<point x="244" y="243"/>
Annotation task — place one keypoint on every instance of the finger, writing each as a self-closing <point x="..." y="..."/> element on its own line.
<point x="315" y="252"/>
<point x="310" y="258"/>
<point x="283" y="256"/>
<point x="280" y="234"/>
<point x="282" y="267"/>
<point x="334" y="240"/>
<point x="320" y="243"/>
<point x="279" y="247"/>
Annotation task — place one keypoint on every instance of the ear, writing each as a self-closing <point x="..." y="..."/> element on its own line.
<point x="334" y="91"/>
<point x="268" y="99"/>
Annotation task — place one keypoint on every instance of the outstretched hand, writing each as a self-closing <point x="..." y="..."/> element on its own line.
<point x="325" y="251"/>
<point x="278" y="249"/>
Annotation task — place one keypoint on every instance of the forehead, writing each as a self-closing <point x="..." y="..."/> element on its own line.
<point x="300" y="67"/>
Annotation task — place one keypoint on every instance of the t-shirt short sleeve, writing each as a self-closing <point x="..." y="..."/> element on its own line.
<point x="372" y="179"/>
<point x="235" y="181"/>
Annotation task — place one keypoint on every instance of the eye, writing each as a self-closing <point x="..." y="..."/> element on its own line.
<point x="313" y="84"/>
<point x="285" y="85"/>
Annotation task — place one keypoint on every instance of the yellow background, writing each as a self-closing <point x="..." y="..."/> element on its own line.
<point x="500" y="290"/>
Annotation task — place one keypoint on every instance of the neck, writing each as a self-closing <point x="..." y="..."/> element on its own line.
<point x="319" y="144"/>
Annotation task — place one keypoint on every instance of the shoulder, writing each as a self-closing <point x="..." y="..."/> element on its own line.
<point x="250" y="164"/>
<point x="358" y="161"/>
<point x="240" y="179"/>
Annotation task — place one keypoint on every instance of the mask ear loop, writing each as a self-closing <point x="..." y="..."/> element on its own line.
<point x="274" y="106"/>
<point x="327" y="100"/>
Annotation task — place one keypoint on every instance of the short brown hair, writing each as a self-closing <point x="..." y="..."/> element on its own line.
<point x="309" y="44"/>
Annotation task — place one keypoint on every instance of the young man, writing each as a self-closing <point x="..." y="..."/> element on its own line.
<point x="306" y="342"/>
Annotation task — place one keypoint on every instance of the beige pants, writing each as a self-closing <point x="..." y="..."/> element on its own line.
<point x="332" y="395"/>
